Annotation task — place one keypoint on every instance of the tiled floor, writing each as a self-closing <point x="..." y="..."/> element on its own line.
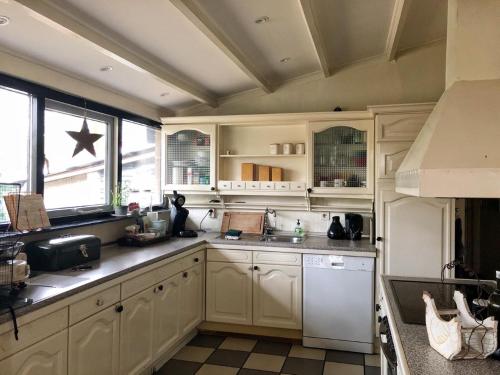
<point x="218" y="355"/>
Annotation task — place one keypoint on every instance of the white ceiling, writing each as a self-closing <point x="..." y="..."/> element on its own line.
<point x="156" y="46"/>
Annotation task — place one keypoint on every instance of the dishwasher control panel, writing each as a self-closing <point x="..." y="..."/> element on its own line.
<point x="339" y="262"/>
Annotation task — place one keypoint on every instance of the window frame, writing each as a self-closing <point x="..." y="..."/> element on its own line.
<point x="40" y="95"/>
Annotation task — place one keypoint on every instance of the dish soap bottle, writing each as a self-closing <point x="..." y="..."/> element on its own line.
<point x="299" y="231"/>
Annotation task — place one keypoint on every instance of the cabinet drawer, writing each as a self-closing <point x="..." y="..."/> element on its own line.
<point x="252" y="185"/>
<point x="193" y="259"/>
<point x="271" y="257"/>
<point x="399" y="126"/>
<point x="390" y="155"/>
<point x="297" y="186"/>
<point x="141" y="282"/>
<point x="266" y="185"/>
<point x="283" y="186"/>
<point x="232" y="256"/>
<point x="93" y="304"/>
<point x="33" y="332"/>
<point x="224" y="185"/>
<point x="238" y="185"/>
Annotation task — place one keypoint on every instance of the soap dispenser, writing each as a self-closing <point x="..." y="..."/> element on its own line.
<point x="299" y="231"/>
<point x="336" y="230"/>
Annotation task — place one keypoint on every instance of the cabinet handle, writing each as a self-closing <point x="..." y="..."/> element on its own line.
<point x="185" y="275"/>
<point x="160" y="287"/>
<point x="99" y="302"/>
<point x="309" y="190"/>
<point x="377" y="307"/>
<point x="119" y="308"/>
<point x="212" y="188"/>
<point x="196" y="260"/>
<point x="379" y="239"/>
<point x="256" y="268"/>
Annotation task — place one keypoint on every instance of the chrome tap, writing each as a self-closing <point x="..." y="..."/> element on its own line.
<point x="268" y="229"/>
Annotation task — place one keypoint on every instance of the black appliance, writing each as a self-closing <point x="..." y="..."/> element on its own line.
<point x="353" y="226"/>
<point x="180" y="215"/>
<point x="336" y="230"/>
<point x="63" y="252"/>
<point x="387" y="346"/>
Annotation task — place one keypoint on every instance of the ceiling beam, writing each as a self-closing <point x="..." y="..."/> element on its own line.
<point x="82" y="26"/>
<point x="399" y="15"/>
<point x="317" y="39"/>
<point x="208" y="27"/>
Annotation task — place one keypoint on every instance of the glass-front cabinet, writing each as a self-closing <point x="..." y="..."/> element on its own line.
<point x="190" y="157"/>
<point x="341" y="157"/>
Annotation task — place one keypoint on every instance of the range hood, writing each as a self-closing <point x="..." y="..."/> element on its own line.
<point x="457" y="153"/>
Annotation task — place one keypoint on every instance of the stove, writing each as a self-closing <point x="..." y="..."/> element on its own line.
<point x="411" y="306"/>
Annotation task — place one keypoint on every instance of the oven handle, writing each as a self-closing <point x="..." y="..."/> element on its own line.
<point x="384" y="329"/>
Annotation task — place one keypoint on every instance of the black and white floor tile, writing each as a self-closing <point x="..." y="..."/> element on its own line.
<point x="220" y="355"/>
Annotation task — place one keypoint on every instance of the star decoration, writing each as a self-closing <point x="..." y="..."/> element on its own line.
<point x="85" y="139"/>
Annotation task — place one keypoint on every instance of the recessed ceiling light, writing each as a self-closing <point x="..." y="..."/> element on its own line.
<point x="261" y="20"/>
<point x="107" y="68"/>
<point x="4" y="20"/>
<point x="285" y="60"/>
<point x="165" y="94"/>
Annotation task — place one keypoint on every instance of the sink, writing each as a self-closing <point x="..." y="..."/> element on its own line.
<point x="283" y="238"/>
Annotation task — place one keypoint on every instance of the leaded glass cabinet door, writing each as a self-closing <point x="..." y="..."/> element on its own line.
<point x="190" y="157"/>
<point x="341" y="157"/>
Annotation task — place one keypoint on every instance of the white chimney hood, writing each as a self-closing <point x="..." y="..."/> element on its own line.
<point x="457" y="153"/>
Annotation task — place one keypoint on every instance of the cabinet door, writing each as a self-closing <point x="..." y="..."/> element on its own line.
<point x="229" y="292"/>
<point x="190" y="157"/>
<point x="341" y="157"/>
<point x="191" y="313"/>
<point x="415" y="234"/>
<point x="277" y="296"/>
<point x="399" y="126"/>
<point x="48" y="357"/>
<point x="136" y="333"/>
<point x="166" y="314"/>
<point x="94" y="344"/>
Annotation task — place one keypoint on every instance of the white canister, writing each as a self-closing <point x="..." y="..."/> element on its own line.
<point x="177" y="175"/>
<point x="300" y="149"/>
<point x="287" y="148"/>
<point x="189" y="176"/>
<point x="338" y="182"/>
<point x="274" y="148"/>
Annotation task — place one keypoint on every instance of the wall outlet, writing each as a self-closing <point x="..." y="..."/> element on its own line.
<point x="212" y="214"/>
<point x="325" y="216"/>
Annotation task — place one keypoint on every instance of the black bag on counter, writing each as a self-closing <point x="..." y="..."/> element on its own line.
<point x="63" y="252"/>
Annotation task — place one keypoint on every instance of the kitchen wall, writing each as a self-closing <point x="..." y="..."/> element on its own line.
<point x="24" y="68"/>
<point x="416" y="76"/>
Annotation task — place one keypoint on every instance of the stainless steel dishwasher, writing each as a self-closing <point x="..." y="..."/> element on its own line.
<point x="338" y="302"/>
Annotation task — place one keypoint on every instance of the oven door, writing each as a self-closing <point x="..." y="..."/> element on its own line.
<point x="390" y="366"/>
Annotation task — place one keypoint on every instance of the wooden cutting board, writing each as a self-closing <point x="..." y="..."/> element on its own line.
<point x="247" y="222"/>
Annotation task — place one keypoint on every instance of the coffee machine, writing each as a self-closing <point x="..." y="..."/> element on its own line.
<point x="353" y="226"/>
<point x="180" y="215"/>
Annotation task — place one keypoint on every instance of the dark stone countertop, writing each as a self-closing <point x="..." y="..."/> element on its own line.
<point x="421" y="359"/>
<point x="116" y="261"/>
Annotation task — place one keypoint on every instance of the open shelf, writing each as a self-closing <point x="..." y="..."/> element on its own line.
<point x="264" y="156"/>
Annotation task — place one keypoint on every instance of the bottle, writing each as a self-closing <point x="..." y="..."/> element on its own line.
<point x="299" y="231"/>
<point x="336" y="230"/>
<point x="494" y="310"/>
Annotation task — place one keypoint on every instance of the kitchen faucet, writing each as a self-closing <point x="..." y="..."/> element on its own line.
<point x="268" y="229"/>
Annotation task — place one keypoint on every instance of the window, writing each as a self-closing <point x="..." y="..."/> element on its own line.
<point x="15" y="120"/>
<point x="141" y="163"/>
<point x="73" y="176"/>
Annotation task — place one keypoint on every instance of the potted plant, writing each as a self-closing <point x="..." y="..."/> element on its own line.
<point x="118" y="199"/>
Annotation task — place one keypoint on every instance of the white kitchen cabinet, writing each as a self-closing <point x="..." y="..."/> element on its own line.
<point x="414" y="234"/>
<point x="48" y="357"/>
<point x="341" y="157"/>
<point x="390" y="155"/>
<point x="190" y="157"/>
<point x="136" y="332"/>
<point x="167" y="306"/>
<point x="229" y="292"/>
<point x="191" y="312"/>
<point x="94" y="344"/>
<point x="277" y="296"/>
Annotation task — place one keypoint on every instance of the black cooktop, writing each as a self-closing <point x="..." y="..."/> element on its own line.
<point x="412" y="307"/>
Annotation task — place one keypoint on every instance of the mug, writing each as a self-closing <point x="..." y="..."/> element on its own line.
<point x="339" y="182"/>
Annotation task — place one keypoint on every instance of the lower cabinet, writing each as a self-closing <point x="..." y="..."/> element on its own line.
<point x="48" y="357"/>
<point x="229" y="292"/>
<point x="191" y="306"/>
<point x="277" y="296"/>
<point x="136" y="328"/>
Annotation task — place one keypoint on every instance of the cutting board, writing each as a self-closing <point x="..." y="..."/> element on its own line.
<point x="247" y="222"/>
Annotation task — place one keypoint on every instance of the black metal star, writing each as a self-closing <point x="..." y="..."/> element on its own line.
<point x="85" y="139"/>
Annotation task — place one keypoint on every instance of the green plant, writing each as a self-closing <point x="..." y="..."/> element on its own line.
<point x="119" y="195"/>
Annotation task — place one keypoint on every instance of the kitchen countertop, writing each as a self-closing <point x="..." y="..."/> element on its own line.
<point x="117" y="261"/>
<point x="420" y="358"/>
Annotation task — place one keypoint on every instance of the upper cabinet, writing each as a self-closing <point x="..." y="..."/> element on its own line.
<point x="341" y="157"/>
<point x="190" y="157"/>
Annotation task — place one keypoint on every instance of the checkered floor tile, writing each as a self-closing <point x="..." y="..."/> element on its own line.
<point x="219" y="355"/>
